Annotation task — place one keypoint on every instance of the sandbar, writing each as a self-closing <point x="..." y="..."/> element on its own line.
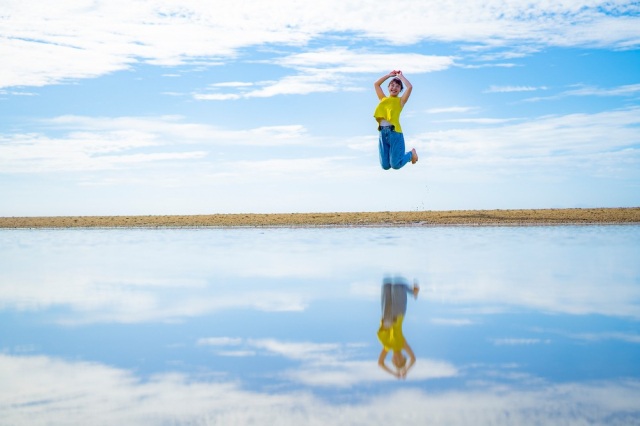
<point x="521" y="217"/>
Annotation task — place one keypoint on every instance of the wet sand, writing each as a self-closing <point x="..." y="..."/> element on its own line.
<point x="415" y="218"/>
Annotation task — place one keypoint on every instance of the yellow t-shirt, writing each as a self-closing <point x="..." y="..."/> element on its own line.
<point x="389" y="109"/>
<point x="392" y="338"/>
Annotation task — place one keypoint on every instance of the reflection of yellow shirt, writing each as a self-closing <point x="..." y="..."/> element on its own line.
<point x="389" y="109"/>
<point x="392" y="338"/>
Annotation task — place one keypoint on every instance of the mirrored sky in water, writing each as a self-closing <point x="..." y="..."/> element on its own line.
<point x="512" y="325"/>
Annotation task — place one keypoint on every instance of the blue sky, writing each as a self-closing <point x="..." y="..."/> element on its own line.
<point x="193" y="107"/>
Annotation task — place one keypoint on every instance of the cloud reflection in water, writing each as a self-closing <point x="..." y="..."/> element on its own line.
<point x="42" y="390"/>
<point x="278" y="326"/>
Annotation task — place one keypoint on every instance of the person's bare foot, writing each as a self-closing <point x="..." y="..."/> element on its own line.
<point x="414" y="156"/>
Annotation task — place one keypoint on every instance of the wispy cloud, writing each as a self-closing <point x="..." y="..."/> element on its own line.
<point x="519" y="341"/>
<point x="509" y="89"/>
<point x="216" y="96"/>
<point x="621" y="336"/>
<point x="327" y="364"/>
<point x="295" y="85"/>
<point x="82" y="151"/>
<point x="302" y="351"/>
<point x="49" y="390"/>
<point x="456" y="322"/>
<point x="626" y="90"/>
<point x="52" y="45"/>
<point x="104" y="143"/>
<point x="491" y="121"/>
<point x="219" y="341"/>
<point x="604" y="142"/>
<point x="232" y="84"/>
<point x="452" y="109"/>
<point x="582" y="90"/>
<point x="137" y="300"/>
<point x="346" y="61"/>
<point x="326" y="70"/>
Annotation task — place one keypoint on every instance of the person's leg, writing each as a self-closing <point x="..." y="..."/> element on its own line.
<point x="384" y="148"/>
<point x="398" y="155"/>
<point x="399" y="299"/>
<point x="387" y="300"/>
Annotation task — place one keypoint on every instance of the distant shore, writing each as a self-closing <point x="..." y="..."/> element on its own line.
<point x="526" y="217"/>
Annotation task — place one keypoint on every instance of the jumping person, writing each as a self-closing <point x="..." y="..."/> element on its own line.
<point x="387" y="114"/>
<point x="394" y="308"/>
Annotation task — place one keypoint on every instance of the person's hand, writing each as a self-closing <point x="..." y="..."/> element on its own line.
<point x="403" y="373"/>
<point x="395" y="73"/>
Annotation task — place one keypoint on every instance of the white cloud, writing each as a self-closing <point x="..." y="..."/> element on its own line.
<point x="595" y="144"/>
<point x="69" y="41"/>
<point x="94" y="144"/>
<point x="582" y="90"/>
<point x="96" y="298"/>
<point x="453" y="109"/>
<point x="487" y="65"/>
<point x="628" y="337"/>
<point x="625" y="337"/>
<point x="519" y="341"/>
<point x="329" y="70"/>
<point x="136" y="288"/>
<point x="479" y="120"/>
<point x="81" y="151"/>
<point x="219" y="341"/>
<point x="456" y="322"/>
<point x="346" y="61"/>
<point x="303" y="351"/>
<point x="232" y="84"/>
<point x="351" y="373"/>
<point x="508" y="89"/>
<point x="236" y="354"/>
<point x="296" y="85"/>
<point x="39" y="63"/>
<point x="626" y="90"/>
<point x="41" y="390"/>
<point x="17" y="93"/>
<point x="216" y="96"/>
<point x="329" y="364"/>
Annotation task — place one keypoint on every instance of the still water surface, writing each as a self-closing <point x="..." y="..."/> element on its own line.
<point x="512" y="325"/>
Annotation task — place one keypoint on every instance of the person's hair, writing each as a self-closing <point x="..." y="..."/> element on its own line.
<point x="399" y="363"/>
<point x="397" y="80"/>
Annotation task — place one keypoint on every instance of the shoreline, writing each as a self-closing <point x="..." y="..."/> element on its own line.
<point x="508" y="217"/>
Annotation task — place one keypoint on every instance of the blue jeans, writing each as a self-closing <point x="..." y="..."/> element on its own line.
<point x="391" y="147"/>
<point x="394" y="299"/>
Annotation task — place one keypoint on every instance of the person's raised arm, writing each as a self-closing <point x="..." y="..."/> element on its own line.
<point x="383" y="365"/>
<point x="412" y="358"/>
<point x="407" y="87"/>
<point x="379" y="81"/>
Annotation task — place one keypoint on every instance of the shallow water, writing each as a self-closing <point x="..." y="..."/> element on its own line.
<point x="512" y="325"/>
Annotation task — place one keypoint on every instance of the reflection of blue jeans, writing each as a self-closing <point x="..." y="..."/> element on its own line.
<point x="394" y="299"/>
<point x="391" y="146"/>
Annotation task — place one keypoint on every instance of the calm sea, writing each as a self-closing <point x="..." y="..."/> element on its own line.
<point x="512" y="325"/>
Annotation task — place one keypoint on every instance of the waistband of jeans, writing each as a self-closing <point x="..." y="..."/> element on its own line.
<point x="392" y="127"/>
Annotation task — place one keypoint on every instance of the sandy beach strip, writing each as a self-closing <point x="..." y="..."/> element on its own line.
<point x="527" y="217"/>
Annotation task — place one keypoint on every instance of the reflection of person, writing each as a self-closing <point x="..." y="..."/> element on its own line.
<point x="387" y="114"/>
<point x="394" y="307"/>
